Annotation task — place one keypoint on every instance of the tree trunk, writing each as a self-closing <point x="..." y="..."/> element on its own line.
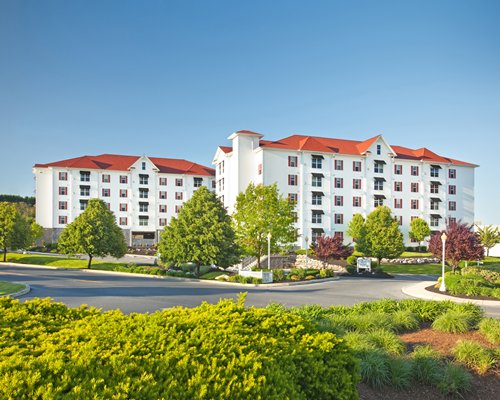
<point x="90" y="261"/>
<point x="258" y="261"/>
<point x="378" y="262"/>
<point x="487" y="252"/>
<point x="4" y="254"/>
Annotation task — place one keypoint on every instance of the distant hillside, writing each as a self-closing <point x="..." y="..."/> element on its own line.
<point x="13" y="198"/>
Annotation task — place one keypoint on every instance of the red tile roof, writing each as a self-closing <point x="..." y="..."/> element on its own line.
<point x="226" y="149"/>
<point x="351" y="147"/>
<point x="115" y="162"/>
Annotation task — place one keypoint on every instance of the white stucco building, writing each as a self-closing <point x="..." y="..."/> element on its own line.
<point x="143" y="192"/>
<point x="333" y="179"/>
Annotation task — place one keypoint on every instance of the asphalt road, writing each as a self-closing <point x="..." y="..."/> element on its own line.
<point x="140" y="294"/>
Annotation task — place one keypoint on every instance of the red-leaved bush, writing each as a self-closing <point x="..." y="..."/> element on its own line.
<point x="327" y="247"/>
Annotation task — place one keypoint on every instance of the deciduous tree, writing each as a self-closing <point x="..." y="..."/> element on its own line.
<point x="94" y="232"/>
<point x="327" y="247"/>
<point x="261" y="210"/>
<point x="355" y="227"/>
<point x="419" y="230"/>
<point x="8" y="215"/>
<point x="489" y="236"/>
<point x="462" y="243"/>
<point x="201" y="233"/>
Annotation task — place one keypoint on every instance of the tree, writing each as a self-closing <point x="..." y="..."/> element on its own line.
<point x="8" y="214"/>
<point x="489" y="236"/>
<point x="355" y="227"/>
<point x="380" y="236"/>
<point x="327" y="247"/>
<point x="261" y="210"/>
<point x="461" y="244"/>
<point x="202" y="234"/>
<point x="419" y="230"/>
<point x="94" y="232"/>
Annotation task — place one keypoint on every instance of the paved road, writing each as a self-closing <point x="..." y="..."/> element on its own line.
<point x="139" y="294"/>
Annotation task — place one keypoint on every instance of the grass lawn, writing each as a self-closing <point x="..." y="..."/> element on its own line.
<point x="60" y="262"/>
<point x="429" y="269"/>
<point x="406" y="254"/>
<point x="8" y="288"/>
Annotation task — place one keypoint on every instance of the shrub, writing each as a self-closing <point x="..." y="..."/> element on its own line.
<point x="278" y="275"/>
<point x="490" y="328"/>
<point x="473" y="355"/>
<point x="491" y="276"/>
<point x="326" y="273"/>
<point x="175" y="354"/>
<point x="300" y="272"/>
<point x="309" y="277"/>
<point x="404" y="320"/>
<point x="455" y="380"/>
<point x="400" y="372"/>
<point x="352" y="260"/>
<point x="426" y="366"/>
<point x="375" y="369"/>
<point x="454" y="321"/>
<point x="386" y="340"/>
<point x="256" y="281"/>
<point x="294" y="277"/>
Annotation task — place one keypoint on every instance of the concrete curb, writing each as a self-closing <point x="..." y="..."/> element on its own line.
<point x="20" y="293"/>
<point x="418" y="290"/>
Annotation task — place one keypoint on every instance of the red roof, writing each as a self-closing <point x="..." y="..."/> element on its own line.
<point x="351" y="147"/>
<point x="226" y="149"/>
<point x="115" y="162"/>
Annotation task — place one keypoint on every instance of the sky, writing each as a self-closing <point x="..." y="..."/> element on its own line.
<point x="175" y="78"/>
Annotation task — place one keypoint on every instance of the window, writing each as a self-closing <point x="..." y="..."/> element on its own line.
<point x="338" y="201"/>
<point x="162" y="221"/>
<point x="84" y="190"/>
<point x="143" y="220"/>
<point x="356" y="183"/>
<point x="162" y="195"/>
<point x="123" y="192"/>
<point x="434" y="187"/>
<point x="356" y="166"/>
<point x="398" y="186"/>
<point x="178" y="182"/>
<point x="178" y="195"/>
<point x="123" y="207"/>
<point x="339" y="183"/>
<point x="398" y="203"/>
<point x="221" y="185"/>
<point x="338" y="218"/>
<point x="316" y="217"/>
<point x="63" y="190"/>
<point x="399" y="219"/>
<point x="123" y="179"/>
<point x="84" y="176"/>
<point x="414" y="170"/>
<point x="214" y="185"/>
<point x="293" y="197"/>
<point x="435" y="171"/>
<point x="143" y="207"/>
<point x="221" y="167"/>
<point x="123" y="220"/>
<point x="379" y="201"/>
<point x="339" y="234"/>
<point x="162" y="208"/>
<point x="143" y="179"/>
<point x="83" y="204"/>
<point x="356" y="201"/>
<point x="63" y="176"/>
<point x="339" y="165"/>
<point x="143" y="166"/>
<point x="106" y="178"/>
<point x="315" y="234"/>
<point x="452" y="206"/>
<point x="434" y="220"/>
<point x="106" y="192"/>
<point x="414" y="204"/>
<point x="295" y="216"/>
<point x="379" y="167"/>
<point x="259" y="169"/>
<point x="108" y="205"/>
<point x="452" y="220"/>
<point x="178" y="208"/>
<point x="317" y="199"/>
<point x="452" y="173"/>
<point x="292" y="180"/>
<point x="414" y="187"/>
<point x="379" y="184"/>
<point x="163" y="182"/>
<point x="197" y="182"/>
<point x="379" y="149"/>
<point x="398" y="169"/>
<point x="317" y="162"/>
<point x="434" y="205"/>
<point x="292" y="161"/>
<point x="143" y="193"/>
<point x="63" y="219"/>
<point x="452" y="189"/>
<point x="63" y="205"/>
<point x="317" y="180"/>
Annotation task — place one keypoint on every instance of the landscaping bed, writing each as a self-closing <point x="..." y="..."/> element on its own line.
<point x="435" y="289"/>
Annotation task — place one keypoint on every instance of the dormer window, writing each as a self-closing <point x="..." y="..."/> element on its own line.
<point x="379" y="149"/>
<point x="143" y="166"/>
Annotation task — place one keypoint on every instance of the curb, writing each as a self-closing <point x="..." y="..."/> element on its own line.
<point x="20" y="293"/>
<point x="418" y="290"/>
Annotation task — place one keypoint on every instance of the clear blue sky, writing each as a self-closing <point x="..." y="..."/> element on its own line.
<point x="175" y="78"/>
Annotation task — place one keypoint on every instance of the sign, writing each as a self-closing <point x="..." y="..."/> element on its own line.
<point x="364" y="263"/>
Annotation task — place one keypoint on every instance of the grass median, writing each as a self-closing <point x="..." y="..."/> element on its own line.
<point x="61" y="262"/>
<point x="9" y="288"/>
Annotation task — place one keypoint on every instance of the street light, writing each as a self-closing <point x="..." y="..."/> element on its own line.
<point x="269" y="236"/>
<point x="442" y="288"/>
<point x="307" y="248"/>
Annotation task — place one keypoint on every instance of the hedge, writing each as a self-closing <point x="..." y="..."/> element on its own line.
<point x="223" y="351"/>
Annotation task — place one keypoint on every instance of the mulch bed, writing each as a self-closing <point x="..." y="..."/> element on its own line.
<point x="434" y="289"/>
<point x="365" y="274"/>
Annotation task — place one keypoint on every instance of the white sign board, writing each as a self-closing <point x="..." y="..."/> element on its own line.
<point x="364" y="263"/>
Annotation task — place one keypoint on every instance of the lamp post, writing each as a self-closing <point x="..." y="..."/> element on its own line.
<point x="307" y="248"/>
<point x="269" y="236"/>
<point x="442" y="288"/>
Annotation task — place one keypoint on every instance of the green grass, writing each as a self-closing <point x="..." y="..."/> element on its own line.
<point x="212" y="275"/>
<point x="61" y="262"/>
<point x="427" y="269"/>
<point x="8" y="288"/>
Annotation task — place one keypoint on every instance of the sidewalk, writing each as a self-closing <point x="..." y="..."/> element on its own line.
<point x="418" y="290"/>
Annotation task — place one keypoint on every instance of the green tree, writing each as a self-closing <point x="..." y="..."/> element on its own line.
<point x="261" y="210"/>
<point x="94" y="232"/>
<point x="489" y="236"/>
<point x="380" y="236"/>
<point x="8" y="215"/>
<point x="355" y="227"/>
<point x="419" y="230"/>
<point x="202" y="234"/>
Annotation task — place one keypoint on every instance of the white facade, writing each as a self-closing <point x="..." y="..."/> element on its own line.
<point x="322" y="179"/>
<point x="142" y="196"/>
